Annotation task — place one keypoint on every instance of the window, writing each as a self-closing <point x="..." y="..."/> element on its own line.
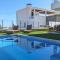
<point x="43" y="26"/>
<point x="32" y="14"/>
<point x="24" y="24"/>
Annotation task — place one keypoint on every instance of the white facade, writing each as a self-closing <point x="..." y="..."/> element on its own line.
<point x="24" y="18"/>
<point x="56" y="6"/>
<point x="38" y="18"/>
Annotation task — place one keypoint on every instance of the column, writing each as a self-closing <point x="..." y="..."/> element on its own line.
<point x="45" y="16"/>
<point x="2" y="24"/>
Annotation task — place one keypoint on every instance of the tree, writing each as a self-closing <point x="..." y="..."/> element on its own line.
<point x="57" y="27"/>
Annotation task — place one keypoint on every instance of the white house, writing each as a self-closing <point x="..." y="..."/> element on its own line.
<point x="31" y="16"/>
<point x="37" y="18"/>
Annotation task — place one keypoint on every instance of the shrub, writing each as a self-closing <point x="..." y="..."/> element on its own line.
<point x="57" y="27"/>
<point x="51" y="29"/>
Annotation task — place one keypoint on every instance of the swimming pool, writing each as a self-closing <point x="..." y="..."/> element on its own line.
<point x="27" y="48"/>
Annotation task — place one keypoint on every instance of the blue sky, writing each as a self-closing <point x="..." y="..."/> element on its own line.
<point x="8" y="8"/>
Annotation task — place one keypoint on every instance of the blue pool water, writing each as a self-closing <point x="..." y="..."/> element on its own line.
<point x="23" y="49"/>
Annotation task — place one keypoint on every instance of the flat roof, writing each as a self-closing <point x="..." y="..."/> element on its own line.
<point x="43" y="11"/>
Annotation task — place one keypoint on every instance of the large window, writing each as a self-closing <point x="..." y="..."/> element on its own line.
<point x="32" y="14"/>
<point x="24" y="24"/>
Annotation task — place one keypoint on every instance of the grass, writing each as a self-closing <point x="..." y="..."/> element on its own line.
<point x="49" y="36"/>
<point x="43" y="34"/>
<point x="2" y="34"/>
<point x="37" y="32"/>
<point x="33" y="32"/>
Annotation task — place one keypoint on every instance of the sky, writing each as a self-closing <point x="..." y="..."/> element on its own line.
<point x="8" y="8"/>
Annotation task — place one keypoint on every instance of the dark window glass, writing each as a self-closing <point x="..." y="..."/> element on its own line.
<point x="24" y="24"/>
<point x="32" y="14"/>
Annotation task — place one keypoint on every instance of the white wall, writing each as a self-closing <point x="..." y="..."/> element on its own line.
<point x="52" y="24"/>
<point x="39" y="21"/>
<point x="24" y="15"/>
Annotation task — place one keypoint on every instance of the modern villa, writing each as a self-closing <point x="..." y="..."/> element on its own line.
<point x="33" y="17"/>
<point x="28" y="43"/>
<point x="38" y="18"/>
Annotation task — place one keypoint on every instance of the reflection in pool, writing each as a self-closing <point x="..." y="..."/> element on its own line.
<point x="24" y="48"/>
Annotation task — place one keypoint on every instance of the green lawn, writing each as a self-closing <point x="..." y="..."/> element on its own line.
<point x="33" y="32"/>
<point x="45" y="34"/>
<point x="37" y="32"/>
<point x="2" y="34"/>
<point x="49" y="36"/>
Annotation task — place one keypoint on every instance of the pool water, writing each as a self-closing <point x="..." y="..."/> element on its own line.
<point x="24" y="49"/>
